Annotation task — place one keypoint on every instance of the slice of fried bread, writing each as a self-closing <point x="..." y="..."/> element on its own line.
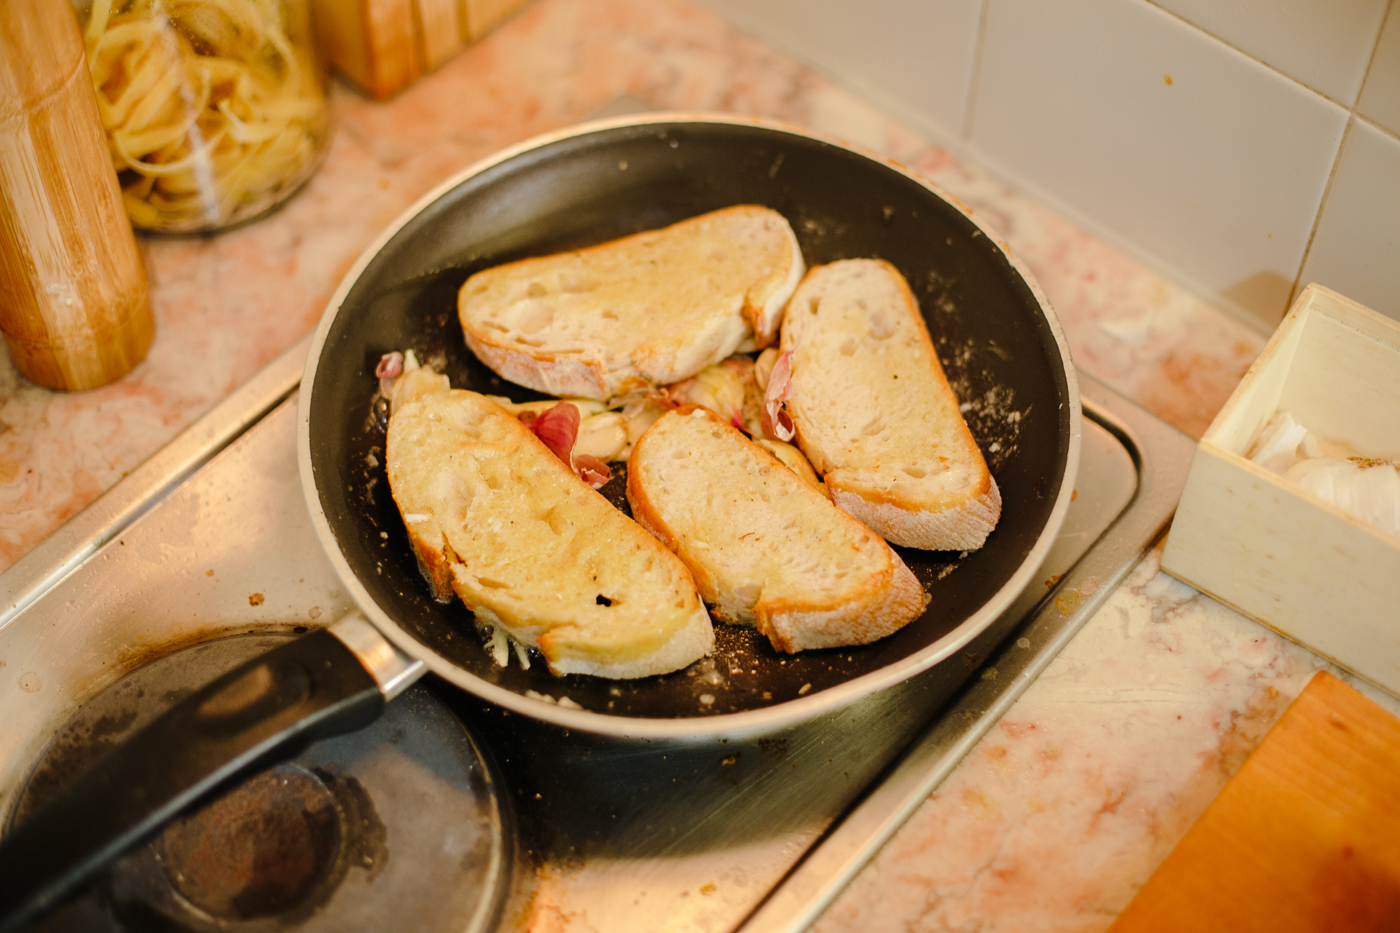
<point x="875" y="415"/>
<point x="498" y="519"/>
<point x="634" y="313"/>
<point x="765" y="548"/>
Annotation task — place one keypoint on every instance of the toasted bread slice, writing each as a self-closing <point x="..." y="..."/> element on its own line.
<point x="498" y="519"/>
<point x="642" y="311"/>
<point x="874" y="412"/>
<point x="765" y="548"/>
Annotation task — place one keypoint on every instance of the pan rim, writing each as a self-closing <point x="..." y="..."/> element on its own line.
<point x="747" y="722"/>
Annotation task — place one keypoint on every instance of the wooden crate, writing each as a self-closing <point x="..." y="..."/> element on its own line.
<point x="1276" y="553"/>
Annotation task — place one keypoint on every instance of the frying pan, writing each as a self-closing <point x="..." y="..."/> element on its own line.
<point x="1000" y="343"/>
<point x="998" y="339"/>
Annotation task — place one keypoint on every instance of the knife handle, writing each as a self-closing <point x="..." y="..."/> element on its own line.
<point x="328" y="682"/>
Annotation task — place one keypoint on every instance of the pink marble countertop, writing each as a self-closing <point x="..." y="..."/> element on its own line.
<point x="1063" y="811"/>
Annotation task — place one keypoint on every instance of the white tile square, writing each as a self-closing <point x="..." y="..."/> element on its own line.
<point x="1323" y="43"/>
<point x="1155" y="134"/>
<point x="1356" y="250"/>
<point x="1380" y="98"/>
<point x="913" y="58"/>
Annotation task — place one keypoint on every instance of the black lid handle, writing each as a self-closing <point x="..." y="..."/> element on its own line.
<point x="328" y="682"/>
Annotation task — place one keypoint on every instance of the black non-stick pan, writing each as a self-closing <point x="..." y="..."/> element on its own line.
<point x="1000" y="344"/>
<point x="997" y="338"/>
<point x="995" y="333"/>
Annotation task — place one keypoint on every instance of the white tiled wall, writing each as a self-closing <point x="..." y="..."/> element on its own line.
<point x="1245" y="147"/>
<point x="1325" y="44"/>
<point x="1380" y="98"/>
<point x="1357" y="246"/>
<point x="915" y="56"/>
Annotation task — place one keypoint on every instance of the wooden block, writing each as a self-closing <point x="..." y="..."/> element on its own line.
<point x="482" y="16"/>
<point x="1306" y="837"/>
<point x="439" y="31"/>
<point x="383" y="46"/>
<point x="372" y="43"/>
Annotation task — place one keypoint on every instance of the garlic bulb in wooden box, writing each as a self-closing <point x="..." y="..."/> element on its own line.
<point x="1365" y="487"/>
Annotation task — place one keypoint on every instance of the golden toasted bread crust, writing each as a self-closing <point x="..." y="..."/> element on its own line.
<point x="765" y="548"/>
<point x="874" y="412"/>
<point x="644" y="310"/>
<point x="499" y="520"/>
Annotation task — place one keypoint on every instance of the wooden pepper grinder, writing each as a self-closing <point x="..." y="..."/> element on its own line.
<point x="73" y="300"/>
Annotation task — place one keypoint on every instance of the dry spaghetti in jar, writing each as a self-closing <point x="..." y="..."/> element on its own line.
<point x="215" y="110"/>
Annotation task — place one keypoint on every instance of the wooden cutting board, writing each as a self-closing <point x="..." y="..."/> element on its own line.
<point x="1305" y="837"/>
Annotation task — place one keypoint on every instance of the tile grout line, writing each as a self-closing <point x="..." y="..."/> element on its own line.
<point x="1256" y="59"/>
<point x="1375" y="47"/>
<point x="1378" y="127"/>
<point x="1321" y="206"/>
<point x="975" y="79"/>
<point x="1391" y="10"/>
<point x="1352" y="117"/>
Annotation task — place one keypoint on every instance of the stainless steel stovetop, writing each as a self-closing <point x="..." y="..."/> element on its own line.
<point x="211" y="537"/>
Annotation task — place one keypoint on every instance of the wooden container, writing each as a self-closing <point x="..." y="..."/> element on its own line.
<point x="383" y="46"/>
<point x="1276" y="553"/>
<point x="73" y="300"/>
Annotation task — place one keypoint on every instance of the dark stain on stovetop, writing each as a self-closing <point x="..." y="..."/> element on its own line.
<point x="266" y="855"/>
<point x="366" y="838"/>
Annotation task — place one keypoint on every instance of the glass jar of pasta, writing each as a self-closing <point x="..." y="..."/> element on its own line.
<point x="215" y="110"/>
